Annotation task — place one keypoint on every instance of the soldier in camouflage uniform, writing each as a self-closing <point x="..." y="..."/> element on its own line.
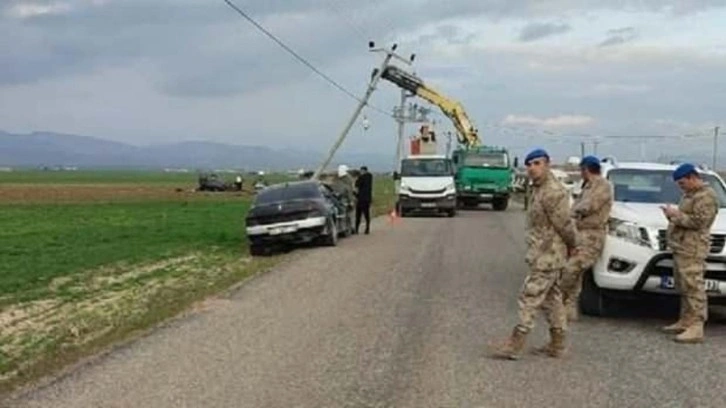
<point x="689" y="232"/>
<point x="551" y="235"/>
<point x="591" y="211"/>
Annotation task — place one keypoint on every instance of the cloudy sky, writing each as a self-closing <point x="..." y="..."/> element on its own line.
<point x="528" y="72"/>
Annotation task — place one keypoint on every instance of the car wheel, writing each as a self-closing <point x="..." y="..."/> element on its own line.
<point x="257" y="250"/>
<point x="452" y="212"/>
<point x="332" y="238"/>
<point x="592" y="299"/>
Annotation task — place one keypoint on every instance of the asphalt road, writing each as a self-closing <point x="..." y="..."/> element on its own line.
<point x="399" y="318"/>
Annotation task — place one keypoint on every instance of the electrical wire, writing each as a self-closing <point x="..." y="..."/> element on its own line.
<point x="300" y="58"/>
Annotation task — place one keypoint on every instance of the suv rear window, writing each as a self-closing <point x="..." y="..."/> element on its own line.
<point x="654" y="186"/>
<point x="288" y="192"/>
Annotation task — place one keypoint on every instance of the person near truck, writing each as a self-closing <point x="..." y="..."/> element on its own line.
<point x="364" y="195"/>
<point x="590" y="211"/>
<point x="688" y="235"/>
<point x="551" y="235"/>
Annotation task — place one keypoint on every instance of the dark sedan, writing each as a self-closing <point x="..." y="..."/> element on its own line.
<point x="295" y="213"/>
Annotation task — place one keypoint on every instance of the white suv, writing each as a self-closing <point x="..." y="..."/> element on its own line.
<point x="636" y="258"/>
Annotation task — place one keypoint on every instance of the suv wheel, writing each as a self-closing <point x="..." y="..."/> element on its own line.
<point x="592" y="298"/>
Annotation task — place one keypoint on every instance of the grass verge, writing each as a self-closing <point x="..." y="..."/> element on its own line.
<point x="111" y="305"/>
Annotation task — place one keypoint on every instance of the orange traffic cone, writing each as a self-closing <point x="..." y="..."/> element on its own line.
<point x="393" y="216"/>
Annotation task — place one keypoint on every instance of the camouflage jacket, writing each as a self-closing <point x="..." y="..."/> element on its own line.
<point x="550" y="229"/>
<point x="689" y="232"/>
<point x="591" y="210"/>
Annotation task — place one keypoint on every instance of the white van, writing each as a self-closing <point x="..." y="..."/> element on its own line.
<point x="426" y="185"/>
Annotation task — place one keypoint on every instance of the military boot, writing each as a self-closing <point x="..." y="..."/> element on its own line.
<point x="556" y="347"/>
<point x="692" y="334"/>
<point x="511" y="348"/>
<point x="682" y="322"/>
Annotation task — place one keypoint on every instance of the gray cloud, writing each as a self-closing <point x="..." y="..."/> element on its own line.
<point x="619" y="36"/>
<point x="536" y="31"/>
<point x="171" y="68"/>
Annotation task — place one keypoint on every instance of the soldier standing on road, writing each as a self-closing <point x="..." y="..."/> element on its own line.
<point x="364" y="186"/>
<point x="551" y="235"/>
<point x="689" y="232"/>
<point x="591" y="211"/>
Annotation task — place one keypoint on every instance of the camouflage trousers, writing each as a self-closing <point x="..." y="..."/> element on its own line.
<point x="541" y="291"/>
<point x="688" y="275"/>
<point x="592" y="242"/>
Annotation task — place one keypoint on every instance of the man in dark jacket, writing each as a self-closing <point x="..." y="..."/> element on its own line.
<point x="364" y="187"/>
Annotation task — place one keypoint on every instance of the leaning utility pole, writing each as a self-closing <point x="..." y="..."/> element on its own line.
<point x="371" y="87"/>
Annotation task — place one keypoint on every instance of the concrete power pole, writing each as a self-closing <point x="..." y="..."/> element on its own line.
<point x="371" y="87"/>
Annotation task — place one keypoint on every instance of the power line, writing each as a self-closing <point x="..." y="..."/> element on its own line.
<point x="300" y="58"/>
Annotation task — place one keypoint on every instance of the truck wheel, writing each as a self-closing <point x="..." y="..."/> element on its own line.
<point x="500" y="203"/>
<point x="592" y="300"/>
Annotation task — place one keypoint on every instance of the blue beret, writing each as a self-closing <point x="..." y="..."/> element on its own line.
<point x="535" y="154"/>
<point x="590" y="162"/>
<point x="683" y="170"/>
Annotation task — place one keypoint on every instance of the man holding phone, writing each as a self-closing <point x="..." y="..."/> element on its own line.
<point x="689" y="237"/>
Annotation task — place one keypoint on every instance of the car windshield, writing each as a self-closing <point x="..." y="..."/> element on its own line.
<point x="425" y="167"/>
<point x="486" y="160"/>
<point x="655" y="186"/>
<point x="289" y="192"/>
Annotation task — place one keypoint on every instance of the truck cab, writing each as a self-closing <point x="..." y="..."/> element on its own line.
<point x="426" y="184"/>
<point x="484" y="174"/>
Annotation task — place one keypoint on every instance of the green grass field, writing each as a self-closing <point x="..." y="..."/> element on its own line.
<point x="88" y="258"/>
<point x="41" y="242"/>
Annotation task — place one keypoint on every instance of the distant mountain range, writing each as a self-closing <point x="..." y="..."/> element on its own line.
<point x="55" y="149"/>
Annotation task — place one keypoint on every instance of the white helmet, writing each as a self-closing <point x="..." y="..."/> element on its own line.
<point x="342" y="170"/>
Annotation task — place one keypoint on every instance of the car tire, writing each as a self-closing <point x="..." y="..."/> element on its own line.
<point x="257" y="250"/>
<point x="452" y="212"/>
<point x="592" y="299"/>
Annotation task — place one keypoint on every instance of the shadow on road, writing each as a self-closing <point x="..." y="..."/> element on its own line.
<point x="665" y="308"/>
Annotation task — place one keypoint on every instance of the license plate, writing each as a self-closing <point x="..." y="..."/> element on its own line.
<point x="282" y="230"/>
<point x="428" y="205"/>
<point x="485" y="195"/>
<point x="668" y="282"/>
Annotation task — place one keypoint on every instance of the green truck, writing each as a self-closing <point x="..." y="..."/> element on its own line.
<point x="484" y="174"/>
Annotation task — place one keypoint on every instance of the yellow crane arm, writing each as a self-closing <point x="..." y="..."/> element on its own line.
<point x="466" y="133"/>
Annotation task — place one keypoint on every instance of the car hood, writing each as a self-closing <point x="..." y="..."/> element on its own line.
<point x="427" y="183"/>
<point x="650" y="215"/>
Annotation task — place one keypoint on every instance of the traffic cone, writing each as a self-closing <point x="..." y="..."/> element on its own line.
<point x="393" y="216"/>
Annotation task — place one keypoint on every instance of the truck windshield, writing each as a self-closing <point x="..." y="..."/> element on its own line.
<point x="485" y="160"/>
<point x="426" y="168"/>
<point x="288" y="192"/>
<point x="655" y="186"/>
